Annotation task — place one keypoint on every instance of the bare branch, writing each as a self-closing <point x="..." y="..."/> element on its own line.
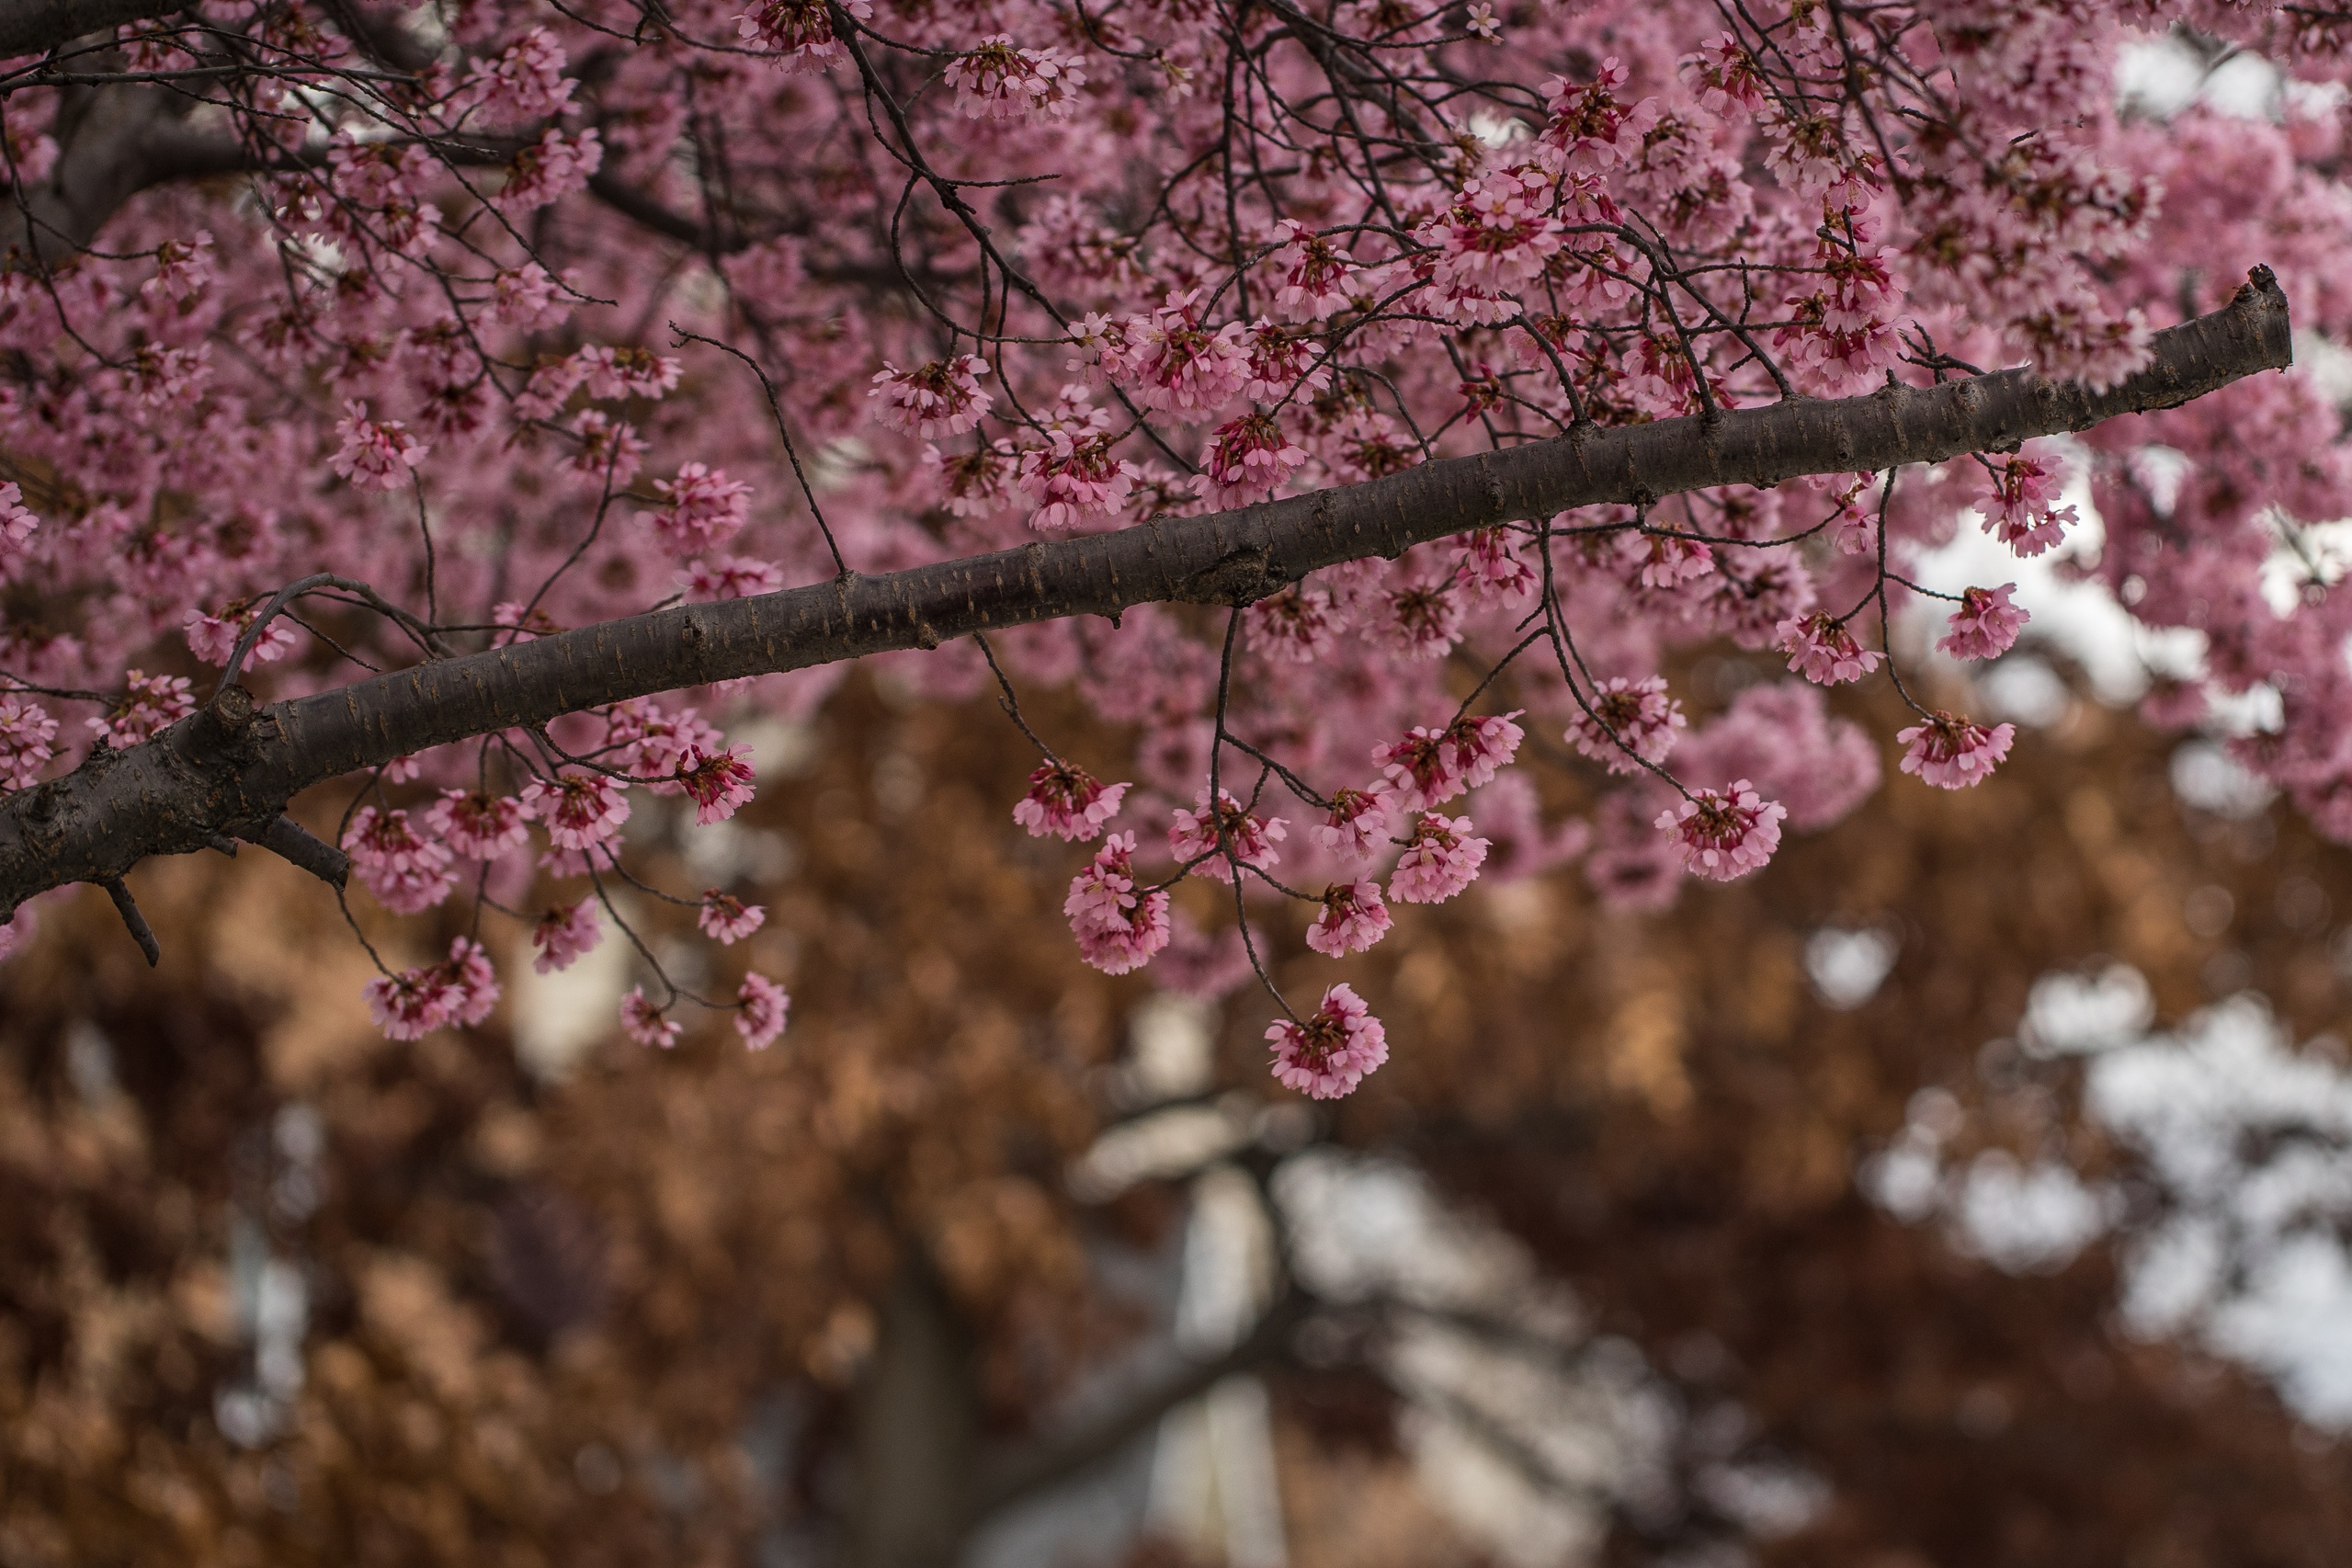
<point x="171" y="794"/>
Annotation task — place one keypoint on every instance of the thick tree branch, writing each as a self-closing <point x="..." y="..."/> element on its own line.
<point x="175" y="793"/>
<point x="1022" y="1472"/>
<point x="36" y="27"/>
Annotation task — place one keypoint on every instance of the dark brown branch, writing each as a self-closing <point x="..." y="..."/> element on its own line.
<point x="293" y="843"/>
<point x="1027" y="1471"/>
<point x="36" y="27"/>
<point x="136" y="923"/>
<point x="169" y="795"/>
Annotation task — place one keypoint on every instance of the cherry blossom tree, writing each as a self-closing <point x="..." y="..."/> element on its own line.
<point x="477" y="405"/>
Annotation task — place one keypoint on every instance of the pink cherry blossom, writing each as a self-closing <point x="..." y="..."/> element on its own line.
<point x="731" y="577"/>
<point x="488" y="333"/>
<point x="1298" y="626"/>
<point x="998" y="81"/>
<point x="25" y="731"/>
<point x="1722" y="835"/>
<point x="797" y="33"/>
<point x="407" y="873"/>
<point x="2017" y="510"/>
<point x="148" y="704"/>
<point x="1316" y="274"/>
<point x="1193" y="836"/>
<point x="1823" y="651"/>
<point x="1672" y="562"/>
<point x="645" y="1023"/>
<point x="1953" y="753"/>
<point x="1358" y="826"/>
<point x="1353" y="917"/>
<point x="1589" y="130"/>
<point x="761" y="1007"/>
<point x="1118" y="928"/>
<point x="718" y="781"/>
<point x="1422" y="619"/>
<point x="610" y="449"/>
<point x="477" y="826"/>
<point x="706" y="509"/>
<point x="18" y="522"/>
<point x="1439" y="860"/>
<point x="623" y="371"/>
<point x="1422" y="769"/>
<point x="409" y="1005"/>
<point x="1074" y="481"/>
<point x="213" y="638"/>
<point x="727" y="919"/>
<point x="1067" y="800"/>
<point x="1478" y="747"/>
<point x="462" y="989"/>
<point x="1633" y="717"/>
<point x="375" y="455"/>
<point x="1325" y="1057"/>
<point x="580" y="810"/>
<point x="940" y="398"/>
<point x="1247" y="460"/>
<point x="1985" y="625"/>
<point x="563" y="934"/>
<point x="552" y="168"/>
<point x="183" y="269"/>
<point x="1723" y="77"/>
<point x="525" y="82"/>
<point x="1492" y="568"/>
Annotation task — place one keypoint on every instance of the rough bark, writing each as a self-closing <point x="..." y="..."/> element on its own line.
<point x="36" y="27"/>
<point x="207" y="776"/>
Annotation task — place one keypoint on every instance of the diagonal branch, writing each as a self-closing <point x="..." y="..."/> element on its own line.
<point x="1023" y="1472"/>
<point x="199" y="778"/>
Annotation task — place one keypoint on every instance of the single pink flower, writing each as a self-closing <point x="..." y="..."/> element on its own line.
<point x="761" y="1007"/>
<point x="1441" y="859"/>
<point x="1357" y="828"/>
<point x="480" y="827"/>
<point x="644" y="1023"/>
<point x="1823" y="651"/>
<point x="1333" y="1051"/>
<point x="1953" y="753"/>
<point x="1480" y="747"/>
<point x="935" y="399"/>
<point x="1251" y="841"/>
<point x="407" y="873"/>
<point x="719" y="782"/>
<point x="562" y="935"/>
<point x="1117" y="927"/>
<point x="1726" y="833"/>
<point x="580" y="810"/>
<point x="1353" y="918"/>
<point x="375" y="455"/>
<point x="1067" y="800"/>
<point x="1630" y="722"/>
<point x="1985" y="625"/>
<point x="25" y="730"/>
<point x="727" y="919"/>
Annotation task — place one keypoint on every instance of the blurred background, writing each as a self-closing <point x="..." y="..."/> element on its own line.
<point x="1972" y="1186"/>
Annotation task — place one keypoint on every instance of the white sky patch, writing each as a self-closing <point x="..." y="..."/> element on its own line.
<point x="1848" y="967"/>
<point x="2243" y="1141"/>
<point x="2079" y="620"/>
<point x="2164" y="75"/>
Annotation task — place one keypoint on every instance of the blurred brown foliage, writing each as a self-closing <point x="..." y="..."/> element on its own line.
<point x="542" y="1319"/>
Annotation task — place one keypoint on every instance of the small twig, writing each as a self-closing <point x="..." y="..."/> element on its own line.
<point x="141" y="932"/>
